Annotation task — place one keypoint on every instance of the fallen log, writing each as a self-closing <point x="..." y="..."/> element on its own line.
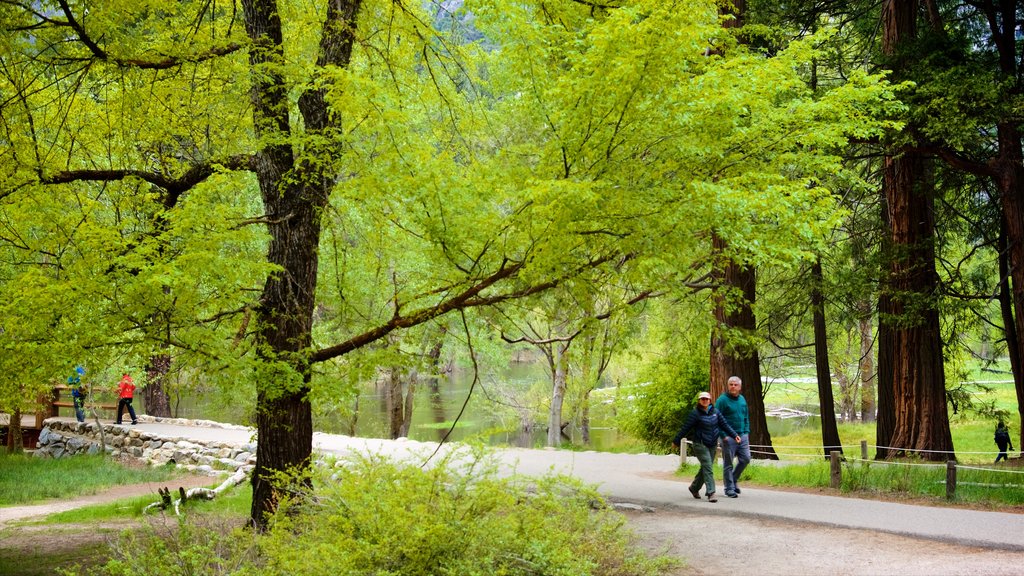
<point x="194" y="493"/>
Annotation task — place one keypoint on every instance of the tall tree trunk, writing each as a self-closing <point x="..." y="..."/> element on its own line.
<point x="919" y="393"/>
<point x="734" y="300"/>
<point x="1003" y="19"/>
<point x="560" y="352"/>
<point x="294" y="194"/>
<point x="1010" y="183"/>
<point x="829" y="429"/>
<point x="408" y="405"/>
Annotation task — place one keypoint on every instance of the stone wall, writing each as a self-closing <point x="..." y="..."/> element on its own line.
<point x="60" y="438"/>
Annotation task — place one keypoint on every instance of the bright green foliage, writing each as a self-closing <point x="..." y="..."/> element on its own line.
<point x="375" y="517"/>
<point x="560" y="138"/>
<point x="370" y="516"/>
<point x="667" y="381"/>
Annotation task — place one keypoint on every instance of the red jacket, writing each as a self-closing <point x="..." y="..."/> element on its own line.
<point x="126" y="387"/>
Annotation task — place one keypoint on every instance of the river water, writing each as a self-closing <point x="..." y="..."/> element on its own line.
<point x="491" y="413"/>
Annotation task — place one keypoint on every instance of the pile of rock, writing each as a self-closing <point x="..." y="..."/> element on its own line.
<point x="60" y="438"/>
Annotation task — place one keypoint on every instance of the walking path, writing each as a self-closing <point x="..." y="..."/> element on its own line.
<point x="649" y="480"/>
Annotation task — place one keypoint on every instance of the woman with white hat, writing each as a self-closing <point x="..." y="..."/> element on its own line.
<point x="704" y="422"/>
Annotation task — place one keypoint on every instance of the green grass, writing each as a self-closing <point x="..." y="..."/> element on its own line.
<point x="27" y="479"/>
<point x="996" y="486"/>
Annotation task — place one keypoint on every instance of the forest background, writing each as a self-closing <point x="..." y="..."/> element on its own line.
<point x="284" y="201"/>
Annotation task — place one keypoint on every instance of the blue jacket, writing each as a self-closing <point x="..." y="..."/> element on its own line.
<point x="705" y="426"/>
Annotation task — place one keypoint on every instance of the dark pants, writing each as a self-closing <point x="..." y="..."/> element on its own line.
<point x="121" y="405"/>
<point x="80" y="409"/>
<point x="1002" y="451"/>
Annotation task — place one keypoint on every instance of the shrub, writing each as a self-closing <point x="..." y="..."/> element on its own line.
<point x="368" y="515"/>
<point x="661" y="406"/>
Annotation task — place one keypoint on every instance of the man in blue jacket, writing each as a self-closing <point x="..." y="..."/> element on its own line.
<point x="706" y="424"/>
<point x="733" y="407"/>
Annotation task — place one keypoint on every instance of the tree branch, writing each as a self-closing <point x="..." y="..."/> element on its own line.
<point x="468" y="298"/>
<point x="101" y="54"/>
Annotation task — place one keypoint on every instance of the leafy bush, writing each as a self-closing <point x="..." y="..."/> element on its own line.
<point x="184" y="546"/>
<point x="368" y="515"/>
<point x="660" y="407"/>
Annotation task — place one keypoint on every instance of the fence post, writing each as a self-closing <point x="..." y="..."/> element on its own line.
<point x="950" y="479"/>
<point x="837" y="471"/>
<point x="863" y="449"/>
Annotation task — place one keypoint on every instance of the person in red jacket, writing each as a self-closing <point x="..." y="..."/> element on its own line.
<point x="125" y="393"/>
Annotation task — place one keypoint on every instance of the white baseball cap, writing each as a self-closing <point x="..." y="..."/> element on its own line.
<point x="704" y="395"/>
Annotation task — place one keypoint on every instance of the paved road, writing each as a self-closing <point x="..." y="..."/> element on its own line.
<point x="648" y="480"/>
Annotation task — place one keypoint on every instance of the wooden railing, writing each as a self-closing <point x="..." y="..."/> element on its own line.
<point x="54" y="404"/>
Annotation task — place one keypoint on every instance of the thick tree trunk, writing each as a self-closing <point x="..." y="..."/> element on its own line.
<point x="408" y="405"/>
<point x="918" y="379"/>
<point x="829" y="429"/>
<point x="157" y="402"/>
<point x="15" y="436"/>
<point x="919" y="383"/>
<point x="734" y="300"/>
<point x="284" y="420"/>
<point x="886" y="422"/>
<point x="294" y="194"/>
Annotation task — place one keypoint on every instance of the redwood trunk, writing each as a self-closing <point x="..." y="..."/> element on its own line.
<point x="886" y="418"/>
<point x="1006" y="304"/>
<point x="734" y="300"/>
<point x="918" y="377"/>
<point x="919" y="383"/>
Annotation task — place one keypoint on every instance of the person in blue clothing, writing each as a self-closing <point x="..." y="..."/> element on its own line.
<point x="705" y="422"/>
<point x="733" y="406"/>
<point x="78" y="392"/>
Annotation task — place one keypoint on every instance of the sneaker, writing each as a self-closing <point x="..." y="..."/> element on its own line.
<point x="134" y="422"/>
<point x="732" y="495"/>
<point x="695" y="492"/>
<point x="711" y="497"/>
<point x="738" y="491"/>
